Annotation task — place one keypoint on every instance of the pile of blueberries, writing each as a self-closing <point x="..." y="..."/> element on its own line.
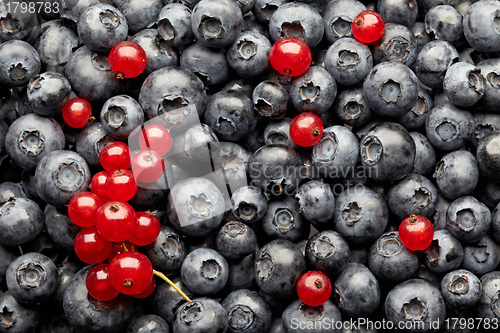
<point x="411" y="126"/>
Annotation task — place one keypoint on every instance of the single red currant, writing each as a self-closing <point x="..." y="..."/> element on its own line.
<point x="314" y="288"/>
<point x="290" y="56"/>
<point x="130" y="272"/>
<point x="156" y="137"/>
<point x="127" y="59"/>
<point x="98" y="185"/>
<point x="91" y="247"/>
<point x="368" y="26"/>
<point x="114" y="156"/>
<point x="115" y="221"/>
<point x="83" y="207"/>
<point x="306" y="129"/>
<point x="76" y="112"/>
<point x="416" y="232"/>
<point x="121" y="185"/>
<point x="99" y="285"/>
<point x="147" y="166"/>
<point x="148" y="291"/>
<point x="147" y="229"/>
<point x="118" y="248"/>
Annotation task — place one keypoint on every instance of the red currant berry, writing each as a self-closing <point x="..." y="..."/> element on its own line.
<point x="99" y="285"/>
<point x="91" y="247"/>
<point x="306" y="129"/>
<point x="130" y="272"/>
<point x="114" y="156"/>
<point x="147" y="166"/>
<point x="146" y="229"/>
<point x="148" y="291"/>
<point x="98" y="185"/>
<point x="290" y="56"/>
<point x="76" y="112"/>
<point x="127" y="59"/>
<point x="115" y="221"/>
<point x="121" y="185"/>
<point x="118" y="248"/>
<point x="368" y="26"/>
<point x="82" y="208"/>
<point x="314" y="288"/>
<point x="156" y="137"/>
<point x="416" y="232"/>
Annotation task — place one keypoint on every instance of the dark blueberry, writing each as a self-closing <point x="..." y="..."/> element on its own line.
<point x="415" y="300"/>
<point x="278" y="133"/>
<point x="391" y="89"/>
<point x="398" y="11"/>
<point x="204" y="271"/>
<point x="439" y="218"/>
<point x="254" y="25"/>
<point x="71" y="11"/>
<point x="416" y="117"/>
<point x="264" y="9"/>
<point x="9" y="190"/>
<point x="66" y="271"/>
<point x="45" y="245"/>
<point x="485" y="123"/>
<point x="159" y="53"/>
<point x="249" y="205"/>
<point x="120" y="115"/>
<point x="209" y="64"/>
<point x="490" y="70"/>
<point x="495" y="224"/>
<point x="270" y="100"/>
<point x="425" y="5"/>
<point x="422" y="36"/>
<point x="456" y="174"/>
<point x="361" y="215"/>
<point x="489" y="297"/>
<point x="28" y="182"/>
<point x="8" y="255"/>
<point x="461" y="289"/>
<point x="48" y="92"/>
<point x="426" y="274"/>
<point x="299" y="20"/>
<point x="468" y="219"/>
<point x="166" y="300"/>
<point x="241" y="273"/>
<point x="338" y="17"/>
<point x="488" y="156"/>
<point x="149" y="324"/>
<point x="301" y="318"/>
<point x="444" y="254"/>
<point x="201" y="315"/>
<point x="463" y="84"/>
<point x="17" y="317"/>
<point x="316" y="200"/>
<point x="388" y="151"/>
<point x="488" y="192"/>
<point x="239" y="85"/>
<point x="471" y="56"/>
<point x="283" y="221"/>
<point x="480" y="26"/>
<point x="425" y="156"/>
<point x="19" y="61"/>
<point x="32" y="278"/>
<point x="278" y="266"/>
<point x="19" y="24"/>
<point x="481" y="257"/>
<point x="153" y="194"/>
<point x="390" y="260"/>
<point x="276" y="326"/>
<point x="234" y="164"/>
<point x="21" y="221"/>
<point x="433" y="61"/>
<point x="327" y="251"/>
<point x="90" y="141"/>
<point x="249" y="54"/>
<point x="92" y="316"/>
<point x="351" y="107"/>
<point x="356" y="291"/>
<point x="140" y="14"/>
<point x="174" y="25"/>
<point x="235" y="240"/>
<point x="167" y="252"/>
<point x="247" y="312"/>
<point x="444" y="22"/>
<point x="53" y="321"/>
<point x="397" y="44"/>
<point x="349" y="61"/>
<point x="216" y="23"/>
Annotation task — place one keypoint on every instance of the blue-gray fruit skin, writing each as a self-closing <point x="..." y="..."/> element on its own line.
<point x="418" y="29"/>
<point x="444" y="254"/>
<point x="235" y="240"/>
<point x="165" y="300"/>
<point x="299" y="20"/>
<point x="8" y="255"/>
<point x="241" y="273"/>
<point x="282" y="220"/>
<point x="425" y="156"/>
<point x="445" y="22"/>
<point x="461" y="289"/>
<point x="174" y="25"/>
<point x="10" y="190"/>
<point x="338" y="17"/>
<point x="485" y="124"/>
<point x="415" y="299"/>
<point x="356" y="291"/>
<point x="159" y="53"/>
<point x="495" y="223"/>
<point x="71" y="12"/>
<point x="167" y="252"/>
<point x="140" y="14"/>
<point x="348" y="60"/>
<point x="298" y="317"/>
<point x="314" y="91"/>
<point x="66" y="271"/>
<point x="416" y="117"/>
<point x="48" y="92"/>
<point x="481" y="257"/>
<point x="491" y="98"/>
<point x="19" y="61"/>
<point x="60" y="175"/>
<point x="278" y="133"/>
<point x="398" y="11"/>
<point x="59" y="227"/>
<point x="120" y="115"/>
<point x="433" y="61"/>
<point x="463" y="84"/>
<point x="249" y="54"/>
<point x="489" y="295"/>
<point x="210" y="317"/>
<point x="390" y="260"/>
<point x="89" y="315"/>
<point x="316" y="200"/>
<point x="264" y="9"/>
<point x="278" y="266"/>
<point x="27" y="316"/>
<point x="90" y="141"/>
<point x="488" y="157"/>
<point x="328" y="252"/>
<point x="351" y="107"/>
<point x="248" y="204"/>
<point x="468" y="219"/>
<point x="26" y="24"/>
<point x="456" y="174"/>
<point x="21" y="221"/>
<point x="209" y="64"/>
<point x="271" y="100"/>
<point x="397" y="44"/>
<point x="149" y="324"/>
<point x="247" y="311"/>
<point x="480" y="28"/>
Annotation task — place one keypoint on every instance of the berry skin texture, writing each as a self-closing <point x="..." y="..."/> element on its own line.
<point x="147" y="229"/>
<point x="314" y="288"/>
<point x="130" y="272"/>
<point x="156" y="137"/>
<point x="416" y="232"/>
<point x="83" y="208"/>
<point x="127" y="59"/>
<point x="115" y="221"/>
<point x="76" y="112"/>
<point x="91" y="247"/>
<point x="115" y="156"/>
<point x="306" y="129"/>
<point x="98" y="185"/>
<point x="290" y="56"/>
<point x="368" y="26"/>
<point x="99" y="285"/>
<point x="121" y="185"/>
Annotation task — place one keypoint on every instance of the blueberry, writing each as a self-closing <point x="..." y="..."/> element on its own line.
<point x="433" y="61"/>
<point x="397" y="44"/>
<point x="241" y="275"/>
<point x="480" y="28"/>
<point x="490" y="71"/>
<point x="422" y="36"/>
<point x="247" y="312"/>
<point x="19" y="24"/>
<point x="167" y="252"/>
<point x="276" y="324"/>
<point x="416" y="117"/>
<point x="66" y="271"/>
<point x="316" y="200"/>
<point x="249" y="54"/>
<point x="472" y="56"/>
<point x="278" y="133"/>
<point x="327" y="251"/>
<point x="48" y="92"/>
<point x="235" y="240"/>
<point x="140" y="14"/>
<point x="21" y="221"/>
<point x="19" y="62"/>
<point x="444" y="22"/>
<point x="17" y="317"/>
<point x="485" y="123"/>
<point x="461" y="289"/>
<point x="425" y="156"/>
<point x="468" y="219"/>
<point x="120" y="116"/>
<point x="201" y="315"/>
<point x="166" y="300"/>
<point x="248" y="204"/>
<point x="9" y="190"/>
<point x="270" y="100"/>
<point x="488" y="192"/>
<point x="444" y="254"/>
<point x="489" y="293"/>
<point x="239" y="84"/>
<point x="398" y="11"/>
<point x="71" y="11"/>
<point x="148" y="324"/>
<point x="90" y="141"/>
<point x="234" y="164"/>
<point x="264" y="9"/>
<point x="301" y="318"/>
<point x="351" y="107"/>
<point x="283" y="221"/>
<point x="8" y="255"/>
<point x="174" y="24"/>
<point x="456" y="174"/>
<point x="481" y="257"/>
<point x="439" y="218"/>
<point x="338" y="17"/>
<point x="463" y="84"/>
<point x="209" y="64"/>
<point x="488" y="157"/>
<point x="59" y="227"/>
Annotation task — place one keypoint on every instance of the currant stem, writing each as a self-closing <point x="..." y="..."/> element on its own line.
<point x="124" y="246"/>
<point x="167" y="280"/>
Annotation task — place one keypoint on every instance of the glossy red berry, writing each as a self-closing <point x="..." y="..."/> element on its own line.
<point x="99" y="285"/>
<point x="290" y="56"/>
<point x="98" y="185"/>
<point x="118" y="248"/>
<point x="114" y="156"/>
<point x="306" y="129"/>
<point x="416" y="232"/>
<point x="121" y="185"/>
<point x="91" y="247"/>
<point x="127" y="59"/>
<point x="115" y="221"/>
<point x="368" y="26"/>
<point x="83" y="207"/>
<point x="148" y="291"/>
<point x="147" y="166"/>
<point x="147" y="229"/>
<point x="130" y="272"/>
<point x="314" y="288"/>
<point x="76" y="112"/>
<point x="156" y="137"/>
